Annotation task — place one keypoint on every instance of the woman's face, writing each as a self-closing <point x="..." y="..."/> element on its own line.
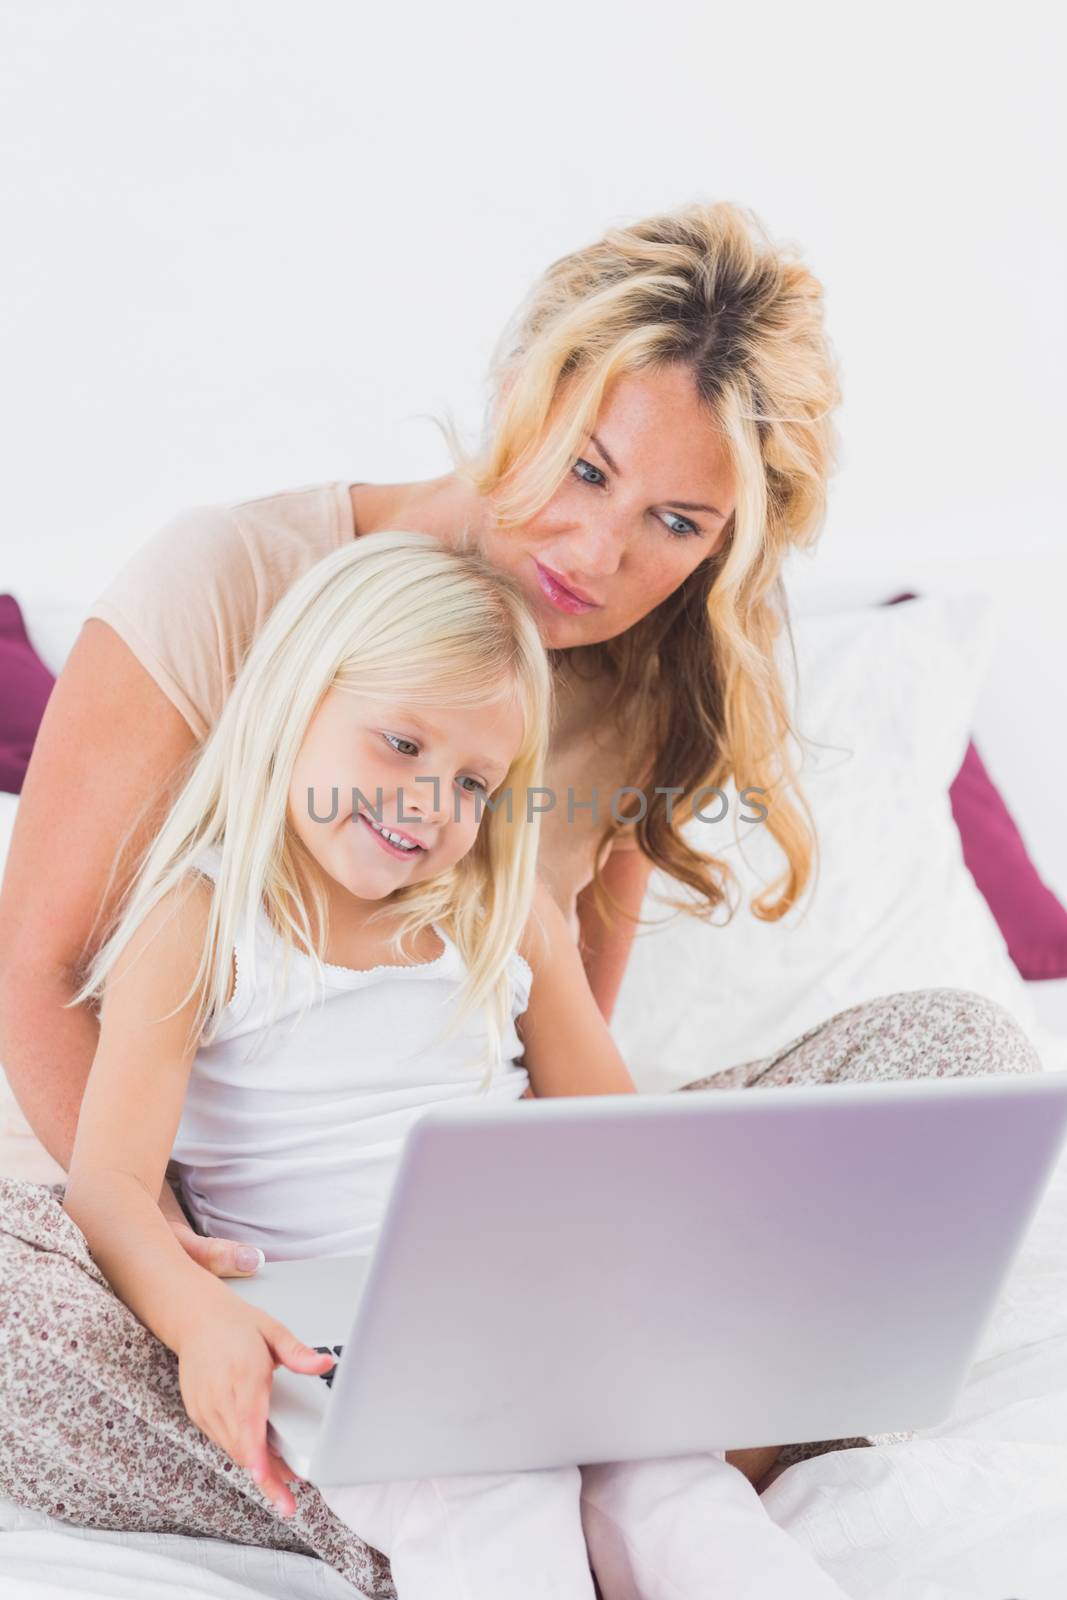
<point x="418" y="772"/>
<point x="646" y="503"/>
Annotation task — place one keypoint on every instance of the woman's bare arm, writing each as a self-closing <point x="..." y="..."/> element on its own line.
<point x="605" y="951"/>
<point x="109" y="737"/>
<point x="110" y="746"/>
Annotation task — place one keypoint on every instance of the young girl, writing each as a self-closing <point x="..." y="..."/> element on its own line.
<point x="337" y="926"/>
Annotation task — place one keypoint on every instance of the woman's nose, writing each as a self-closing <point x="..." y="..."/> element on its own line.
<point x="594" y="550"/>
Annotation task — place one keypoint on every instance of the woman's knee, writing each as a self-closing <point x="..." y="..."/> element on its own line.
<point x="975" y="1035"/>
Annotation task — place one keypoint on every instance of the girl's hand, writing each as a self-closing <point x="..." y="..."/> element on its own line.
<point x="225" y="1369"/>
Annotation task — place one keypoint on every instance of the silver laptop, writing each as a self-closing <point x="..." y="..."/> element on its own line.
<point x="621" y="1276"/>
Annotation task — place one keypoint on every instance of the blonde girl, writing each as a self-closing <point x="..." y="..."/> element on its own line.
<point x="265" y="1016"/>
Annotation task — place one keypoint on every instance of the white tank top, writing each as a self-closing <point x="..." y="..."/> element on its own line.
<point x="295" y="1150"/>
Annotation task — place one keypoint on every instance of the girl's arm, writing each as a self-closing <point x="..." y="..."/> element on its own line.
<point x="129" y="1118"/>
<point x="568" y="1044"/>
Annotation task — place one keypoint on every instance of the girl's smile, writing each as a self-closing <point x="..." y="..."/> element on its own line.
<point x="389" y="838"/>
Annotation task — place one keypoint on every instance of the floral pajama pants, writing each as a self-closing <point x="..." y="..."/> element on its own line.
<point x="92" y="1426"/>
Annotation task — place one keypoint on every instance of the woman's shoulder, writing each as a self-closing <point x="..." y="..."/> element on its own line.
<point x="189" y="600"/>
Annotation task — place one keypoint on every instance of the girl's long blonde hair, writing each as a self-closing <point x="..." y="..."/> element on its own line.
<point x="698" y="690"/>
<point x="392" y="615"/>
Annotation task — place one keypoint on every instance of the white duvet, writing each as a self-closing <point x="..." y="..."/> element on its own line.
<point x="975" y="1509"/>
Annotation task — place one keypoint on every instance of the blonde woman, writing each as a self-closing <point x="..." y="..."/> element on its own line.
<point x="412" y="681"/>
<point x="660" y="437"/>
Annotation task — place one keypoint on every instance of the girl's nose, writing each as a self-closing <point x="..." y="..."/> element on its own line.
<point x="426" y="800"/>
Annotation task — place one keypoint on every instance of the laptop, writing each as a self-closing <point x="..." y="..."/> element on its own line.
<point x="613" y="1277"/>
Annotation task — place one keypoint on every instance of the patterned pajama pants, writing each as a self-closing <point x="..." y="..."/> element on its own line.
<point x="92" y="1426"/>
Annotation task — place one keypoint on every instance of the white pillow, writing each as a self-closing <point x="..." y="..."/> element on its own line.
<point x="885" y="705"/>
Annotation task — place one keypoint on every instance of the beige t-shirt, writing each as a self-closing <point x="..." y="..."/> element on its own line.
<point x="192" y="598"/>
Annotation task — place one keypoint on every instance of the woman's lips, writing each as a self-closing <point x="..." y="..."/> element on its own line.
<point x="561" y="597"/>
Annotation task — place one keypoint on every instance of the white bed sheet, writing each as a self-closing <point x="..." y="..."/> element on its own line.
<point x="974" y="1509"/>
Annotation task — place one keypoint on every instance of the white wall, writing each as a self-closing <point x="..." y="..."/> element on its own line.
<point x="250" y="242"/>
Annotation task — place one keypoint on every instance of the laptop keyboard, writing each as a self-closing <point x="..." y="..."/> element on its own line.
<point x="329" y="1350"/>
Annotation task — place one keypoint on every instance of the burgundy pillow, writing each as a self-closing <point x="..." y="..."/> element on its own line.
<point x="25" y="684"/>
<point x="1028" y="914"/>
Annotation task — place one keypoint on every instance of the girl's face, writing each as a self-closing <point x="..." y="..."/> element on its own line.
<point x="646" y="503"/>
<point x="419" y="773"/>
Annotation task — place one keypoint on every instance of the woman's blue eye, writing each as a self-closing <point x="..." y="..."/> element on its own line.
<point x="597" y="481"/>
<point x="680" y="527"/>
<point x="687" y="528"/>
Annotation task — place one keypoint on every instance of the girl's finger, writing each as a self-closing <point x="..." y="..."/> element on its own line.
<point x="282" y="1466"/>
<point x="289" y="1351"/>
<point x="262" y="1464"/>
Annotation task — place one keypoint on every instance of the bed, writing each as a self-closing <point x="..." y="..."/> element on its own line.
<point x="977" y="1506"/>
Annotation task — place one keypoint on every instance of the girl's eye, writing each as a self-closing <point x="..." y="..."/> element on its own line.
<point x="589" y="468"/>
<point x="680" y="527"/>
<point x="397" y="739"/>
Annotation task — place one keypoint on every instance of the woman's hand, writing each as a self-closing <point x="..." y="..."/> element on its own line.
<point x="225" y="1370"/>
<point x="224" y="1258"/>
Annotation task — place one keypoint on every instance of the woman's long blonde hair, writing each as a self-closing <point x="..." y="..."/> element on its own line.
<point x="698" y="689"/>
<point x="392" y="615"/>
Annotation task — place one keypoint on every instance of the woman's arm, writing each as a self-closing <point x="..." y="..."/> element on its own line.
<point x="111" y="746"/>
<point x="605" y="951"/>
<point x="568" y="1044"/>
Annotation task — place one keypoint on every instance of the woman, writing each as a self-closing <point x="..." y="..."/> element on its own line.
<point x="661" y="437"/>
